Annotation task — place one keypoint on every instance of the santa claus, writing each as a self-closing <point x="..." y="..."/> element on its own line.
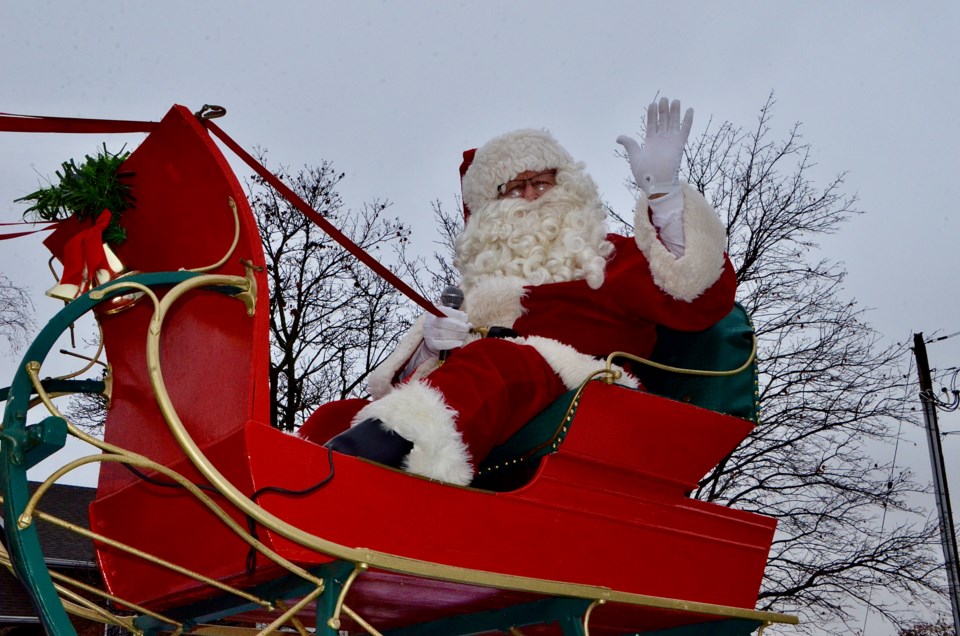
<point x="540" y="271"/>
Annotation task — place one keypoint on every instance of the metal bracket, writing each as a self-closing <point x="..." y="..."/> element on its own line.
<point x="33" y="444"/>
<point x="210" y="111"/>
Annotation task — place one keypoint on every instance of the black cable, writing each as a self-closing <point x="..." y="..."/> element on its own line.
<point x="939" y="338"/>
<point x="299" y="493"/>
<point x="251" y="562"/>
<point x="164" y="484"/>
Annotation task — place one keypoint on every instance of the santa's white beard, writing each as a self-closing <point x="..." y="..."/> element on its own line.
<point x="510" y="243"/>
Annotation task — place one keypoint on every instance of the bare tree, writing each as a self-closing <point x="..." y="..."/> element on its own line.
<point x="331" y="319"/>
<point x="16" y="314"/>
<point x="940" y="628"/>
<point x="832" y="394"/>
<point x="432" y="273"/>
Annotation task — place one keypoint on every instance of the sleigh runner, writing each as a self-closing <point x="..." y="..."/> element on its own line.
<point x="581" y="523"/>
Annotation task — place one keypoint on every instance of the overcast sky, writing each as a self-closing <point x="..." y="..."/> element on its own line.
<point x="393" y="92"/>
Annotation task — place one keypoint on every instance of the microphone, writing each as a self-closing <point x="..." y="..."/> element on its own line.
<point x="452" y="296"/>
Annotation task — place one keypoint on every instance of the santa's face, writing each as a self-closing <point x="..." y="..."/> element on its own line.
<point x="557" y="234"/>
<point x="529" y="185"/>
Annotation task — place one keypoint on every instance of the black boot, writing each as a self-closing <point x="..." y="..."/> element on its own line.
<point x="370" y="440"/>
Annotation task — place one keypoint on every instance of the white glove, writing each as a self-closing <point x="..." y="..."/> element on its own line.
<point x="442" y="334"/>
<point x="656" y="166"/>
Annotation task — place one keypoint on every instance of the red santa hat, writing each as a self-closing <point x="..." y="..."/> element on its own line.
<point x="503" y="158"/>
<point x="467" y="160"/>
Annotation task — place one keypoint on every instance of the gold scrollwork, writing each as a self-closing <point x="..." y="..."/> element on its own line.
<point x="586" y="615"/>
<point x="233" y="245"/>
<point x="334" y="621"/>
<point x="699" y="372"/>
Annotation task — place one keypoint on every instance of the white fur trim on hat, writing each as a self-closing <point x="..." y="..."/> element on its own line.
<point x="705" y="242"/>
<point x="418" y="413"/>
<point x="504" y="157"/>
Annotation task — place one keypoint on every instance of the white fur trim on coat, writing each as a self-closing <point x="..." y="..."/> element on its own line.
<point x="572" y="366"/>
<point x="495" y="301"/>
<point x="380" y="380"/>
<point x="418" y="413"/>
<point x="705" y="241"/>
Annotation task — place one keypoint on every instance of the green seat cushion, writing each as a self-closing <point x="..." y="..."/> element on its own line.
<point x="537" y="437"/>
<point x="722" y="347"/>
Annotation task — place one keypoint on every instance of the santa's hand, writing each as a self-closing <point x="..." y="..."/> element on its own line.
<point x="449" y="332"/>
<point x="656" y="165"/>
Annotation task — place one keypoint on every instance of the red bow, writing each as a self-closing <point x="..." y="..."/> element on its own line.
<point x="84" y="257"/>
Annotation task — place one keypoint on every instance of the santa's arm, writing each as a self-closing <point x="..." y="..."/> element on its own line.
<point x="394" y="368"/>
<point x="675" y="228"/>
<point x="687" y="270"/>
<point x="666" y="214"/>
<point x="418" y="352"/>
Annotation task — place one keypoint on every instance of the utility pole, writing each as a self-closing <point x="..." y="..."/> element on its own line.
<point x="941" y="493"/>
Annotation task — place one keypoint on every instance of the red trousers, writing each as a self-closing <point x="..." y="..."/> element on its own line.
<point x="495" y="386"/>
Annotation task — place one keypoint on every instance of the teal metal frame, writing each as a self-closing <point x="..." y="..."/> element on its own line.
<point x="22" y="446"/>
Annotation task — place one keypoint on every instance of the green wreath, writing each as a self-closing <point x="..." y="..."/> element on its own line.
<point x="84" y="191"/>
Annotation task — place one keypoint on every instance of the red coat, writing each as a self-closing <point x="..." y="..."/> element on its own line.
<point x="623" y="314"/>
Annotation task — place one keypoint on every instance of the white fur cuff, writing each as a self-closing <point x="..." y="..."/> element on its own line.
<point x="380" y="380"/>
<point x="418" y="413"/>
<point x="705" y="242"/>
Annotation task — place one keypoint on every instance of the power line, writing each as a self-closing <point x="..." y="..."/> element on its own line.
<point x="939" y="338"/>
<point x="951" y="399"/>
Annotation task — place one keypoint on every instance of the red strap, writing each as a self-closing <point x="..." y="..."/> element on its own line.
<point x="4" y="237"/>
<point x="49" y="226"/>
<point x="30" y="123"/>
<point x="10" y="122"/>
<point x="325" y="225"/>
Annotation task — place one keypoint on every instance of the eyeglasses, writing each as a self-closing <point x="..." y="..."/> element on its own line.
<point x="539" y="182"/>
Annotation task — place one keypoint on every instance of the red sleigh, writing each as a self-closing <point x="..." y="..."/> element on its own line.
<point x="204" y="512"/>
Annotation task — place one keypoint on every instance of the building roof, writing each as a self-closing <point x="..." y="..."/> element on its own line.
<point x="15" y="606"/>
<point x="62" y="549"/>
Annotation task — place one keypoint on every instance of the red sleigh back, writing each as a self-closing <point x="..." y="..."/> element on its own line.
<point x="214" y="356"/>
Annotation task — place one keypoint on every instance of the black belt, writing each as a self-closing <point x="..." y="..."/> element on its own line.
<point x="496" y="332"/>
